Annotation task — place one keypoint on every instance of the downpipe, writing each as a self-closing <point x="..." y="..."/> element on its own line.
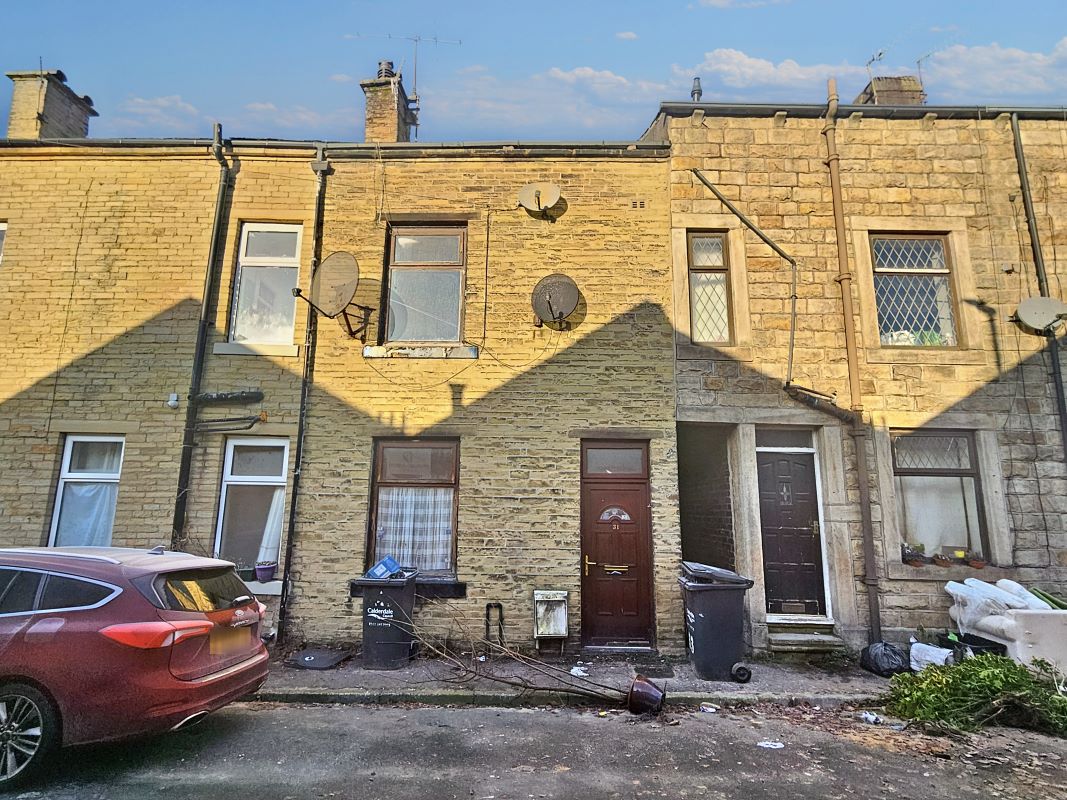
<point x="321" y="167"/>
<point x="1042" y="276"/>
<point x="181" y="500"/>
<point x="858" y="430"/>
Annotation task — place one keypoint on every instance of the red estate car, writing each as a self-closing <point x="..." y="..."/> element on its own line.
<point x="101" y="643"/>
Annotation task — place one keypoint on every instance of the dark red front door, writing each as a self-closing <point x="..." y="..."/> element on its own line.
<point x="616" y="545"/>
<point x="792" y="541"/>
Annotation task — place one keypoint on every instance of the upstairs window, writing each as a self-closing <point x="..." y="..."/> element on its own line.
<point x="3" y="235"/>
<point x="88" y="491"/>
<point x="425" y="284"/>
<point x="709" y="291"/>
<point x="268" y="268"/>
<point x="913" y="290"/>
<point x="415" y="485"/>
<point x="938" y="492"/>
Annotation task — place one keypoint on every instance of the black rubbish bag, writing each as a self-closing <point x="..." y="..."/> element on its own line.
<point x="885" y="659"/>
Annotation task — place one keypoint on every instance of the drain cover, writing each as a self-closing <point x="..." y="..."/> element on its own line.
<point x="316" y="658"/>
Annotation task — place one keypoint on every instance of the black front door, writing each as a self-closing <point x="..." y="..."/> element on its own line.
<point x="792" y="541"/>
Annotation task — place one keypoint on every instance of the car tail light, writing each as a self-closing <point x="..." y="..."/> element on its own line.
<point x="151" y="635"/>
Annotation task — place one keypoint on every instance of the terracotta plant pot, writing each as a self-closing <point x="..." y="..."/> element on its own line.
<point x="915" y="562"/>
<point x="943" y="561"/>
<point x="645" y="697"/>
<point x="977" y="563"/>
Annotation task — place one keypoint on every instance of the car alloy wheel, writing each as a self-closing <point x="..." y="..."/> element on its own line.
<point x="26" y="731"/>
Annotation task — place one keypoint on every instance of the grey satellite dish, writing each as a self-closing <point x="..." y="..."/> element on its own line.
<point x="538" y="197"/>
<point x="1041" y="313"/>
<point x="554" y="297"/>
<point x="334" y="283"/>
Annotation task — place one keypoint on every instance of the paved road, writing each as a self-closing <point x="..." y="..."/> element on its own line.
<point x="266" y="752"/>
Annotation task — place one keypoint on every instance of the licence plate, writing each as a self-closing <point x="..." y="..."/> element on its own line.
<point x="225" y="641"/>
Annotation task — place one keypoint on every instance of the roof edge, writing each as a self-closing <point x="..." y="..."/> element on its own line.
<point x="815" y="110"/>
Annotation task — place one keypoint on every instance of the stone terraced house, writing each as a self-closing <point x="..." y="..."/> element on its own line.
<point x="762" y="293"/>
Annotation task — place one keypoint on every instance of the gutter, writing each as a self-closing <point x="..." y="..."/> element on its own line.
<point x="181" y="500"/>
<point x="1042" y="276"/>
<point x="321" y="167"/>
<point x="373" y="150"/>
<point x="814" y="111"/>
<point x="858" y="429"/>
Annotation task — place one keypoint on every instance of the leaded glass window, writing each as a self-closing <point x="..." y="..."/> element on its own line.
<point x="709" y="289"/>
<point x="913" y="291"/>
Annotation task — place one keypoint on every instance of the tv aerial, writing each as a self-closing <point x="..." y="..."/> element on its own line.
<point x="554" y="298"/>
<point x="332" y="288"/>
<point x="1041" y="314"/>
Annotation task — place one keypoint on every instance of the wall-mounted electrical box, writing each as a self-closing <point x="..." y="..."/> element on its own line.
<point x="550" y="615"/>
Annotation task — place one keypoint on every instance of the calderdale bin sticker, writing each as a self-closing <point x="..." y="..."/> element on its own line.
<point x="381" y="614"/>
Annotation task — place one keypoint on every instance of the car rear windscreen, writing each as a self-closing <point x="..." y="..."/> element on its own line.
<point x="201" y="589"/>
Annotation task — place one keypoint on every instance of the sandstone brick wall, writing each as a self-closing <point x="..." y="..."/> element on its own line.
<point x="102" y="274"/>
<point x="519" y="410"/>
<point x="945" y="176"/>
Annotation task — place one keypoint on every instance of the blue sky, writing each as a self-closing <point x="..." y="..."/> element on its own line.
<point x="582" y="69"/>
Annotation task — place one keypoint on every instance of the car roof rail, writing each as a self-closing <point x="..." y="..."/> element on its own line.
<point x="51" y="551"/>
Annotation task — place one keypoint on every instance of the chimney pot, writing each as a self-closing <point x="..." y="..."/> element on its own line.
<point x="697" y="92"/>
<point x="385" y="69"/>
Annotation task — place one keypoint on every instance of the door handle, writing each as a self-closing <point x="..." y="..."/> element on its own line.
<point x="588" y="564"/>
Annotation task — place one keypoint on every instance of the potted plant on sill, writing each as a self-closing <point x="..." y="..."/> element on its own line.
<point x="975" y="560"/>
<point x="244" y="572"/>
<point x="913" y="554"/>
<point x="265" y="570"/>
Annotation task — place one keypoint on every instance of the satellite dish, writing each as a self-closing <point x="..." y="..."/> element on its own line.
<point x="554" y="297"/>
<point x="334" y="284"/>
<point x="538" y="197"/>
<point x="1041" y="313"/>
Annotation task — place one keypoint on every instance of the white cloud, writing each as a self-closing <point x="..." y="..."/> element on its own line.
<point x="472" y="69"/>
<point x="984" y="73"/>
<point x="626" y="36"/>
<point x="607" y="83"/>
<point x="340" y="77"/>
<point x="304" y="121"/>
<point x="167" y="115"/>
<point x="738" y="70"/>
<point x="256" y="107"/>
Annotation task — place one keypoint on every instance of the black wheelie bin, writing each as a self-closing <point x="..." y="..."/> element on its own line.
<point x="714" y="621"/>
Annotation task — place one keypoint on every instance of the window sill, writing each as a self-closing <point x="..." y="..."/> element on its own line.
<point x="956" y="572"/>
<point x="460" y="351"/>
<point x="925" y="355"/>
<point x="250" y="349"/>
<point x="687" y="351"/>
<point x="427" y="589"/>
<point x="265" y="589"/>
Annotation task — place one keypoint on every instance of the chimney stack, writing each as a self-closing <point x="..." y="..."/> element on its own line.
<point x="44" y="107"/>
<point x="906" y="90"/>
<point x="390" y="113"/>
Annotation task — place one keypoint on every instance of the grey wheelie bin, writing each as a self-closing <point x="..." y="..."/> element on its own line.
<point x="714" y="621"/>
<point x="388" y="605"/>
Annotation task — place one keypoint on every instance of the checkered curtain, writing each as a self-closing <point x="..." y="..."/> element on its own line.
<point x="415" y="526"/>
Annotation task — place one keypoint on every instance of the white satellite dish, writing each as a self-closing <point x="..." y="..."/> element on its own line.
<point x="1041" y="313"/>
<point x="538" y="197"/>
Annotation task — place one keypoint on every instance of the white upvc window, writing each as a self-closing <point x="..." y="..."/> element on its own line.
<point x="252" y="505"/>
<point x="268" y="268"/>
<point x="3" y="235"/>
<point x="87" y="492"/>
